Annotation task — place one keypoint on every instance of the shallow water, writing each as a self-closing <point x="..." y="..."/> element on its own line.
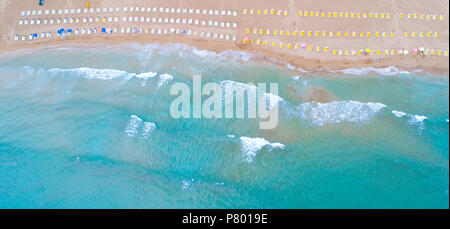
<point x="91" y="128"/>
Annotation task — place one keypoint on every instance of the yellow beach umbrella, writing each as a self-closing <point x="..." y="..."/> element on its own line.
<point x="87" y="5"/>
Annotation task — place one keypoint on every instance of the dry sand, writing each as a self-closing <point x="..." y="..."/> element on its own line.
<point x="10" y="14"/>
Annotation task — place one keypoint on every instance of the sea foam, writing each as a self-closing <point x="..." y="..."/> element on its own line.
<point x="132" y="128"/>
<point x="135" y="123"/>
<point x="339" y="111"/>
<point x="271" y="99"/>
<point x="250" y="146"/>
<point x="388" y="71"/>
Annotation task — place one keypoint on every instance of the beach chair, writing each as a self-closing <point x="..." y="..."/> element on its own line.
<point x="441" y="17"/>
<point x="317" y="48"/>
<point x="325" y="49"/>
<point x="428" y="34"/>
<point x="309" y="33"/>
<point x="52" y="21"/>
<point x="436" y="34"/>
<point x="324" y="33"/>
<point x="406" y="34"/>
<point x="338" y="34"/>
<point x="353" y="34"/>
<point x="392" y="35"/>
<point x="275" y="32"/>
<point x="421" y="34"/>
<point x="32" y="22"/>
<point x="20" y="21"/>
<point x="281" y="44"/>
<point x="281" y="32"/>
<point x="302" y="33"/>
<point x="369" y="34"/>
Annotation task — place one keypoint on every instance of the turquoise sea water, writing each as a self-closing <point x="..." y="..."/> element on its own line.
<point x="91" y="128"/>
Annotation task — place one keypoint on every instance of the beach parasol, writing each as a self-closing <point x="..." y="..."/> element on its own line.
<point x="34" y="35"/>
<point x="405" y="52"/>
<point x="60" y="31"/>
<point x="400" y="51"/>
<point x="414" y="50"/>
<point x="103" y="30"/>
<point x="69" y="31"/>
<point x="422" y="49"/>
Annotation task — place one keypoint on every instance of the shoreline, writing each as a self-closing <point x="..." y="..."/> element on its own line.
<point x="331" y="35"/>
<point x="293" y="64"/>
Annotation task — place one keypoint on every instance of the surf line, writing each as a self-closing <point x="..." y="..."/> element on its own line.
<point x="230" y="92"/>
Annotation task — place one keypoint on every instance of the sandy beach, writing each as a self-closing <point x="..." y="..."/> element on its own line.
<point x="307" y="34"/>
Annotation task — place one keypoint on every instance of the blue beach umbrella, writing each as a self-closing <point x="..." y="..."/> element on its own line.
<point x="60" y="31"/>
<point x="69" y="30"/>
<point x="35" y="35"/>
<point x="103" y="30"/>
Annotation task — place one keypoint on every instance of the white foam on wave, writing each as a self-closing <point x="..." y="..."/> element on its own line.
<point x="93" y="73"/>
<point x="135" y="124"/>
<point x="186" y="184"/>
<point x="148" y="129"/>
<point x="181" y="49"/>
<point x="417" y="120"/>
<point x="132" y="128"/>
<point x="145" y="76"/>
<point x="164" y="78"/>
<point x="271" y="99"/>
<point x="250" y="146"/>
<point x="388" y="71"/>
<point x="109" y="74"/>
<point x="399" y="113"/>
<point x="338" y="111"/>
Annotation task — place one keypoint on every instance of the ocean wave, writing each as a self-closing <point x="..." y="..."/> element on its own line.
<point x="388" y="71"/>
<point x="133" y="125"/>
<point x="250" y="146"/>
<point x="93" y="73"/>
<point x="399" y="114"/>
<point x="339" y="111"/>
<point x="164" y="78"/>
<point x="148" y="129"/>
<point x="417" y="120"/>
<point x="271" y="99"/>
<point x="181" y="49"/>
<point x="186" y="184"/>
<point x="110" y="74"/>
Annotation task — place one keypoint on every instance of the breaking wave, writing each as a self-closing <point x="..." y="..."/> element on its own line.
<point x="339" y="111"/>
<point x="250" y="146"/>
